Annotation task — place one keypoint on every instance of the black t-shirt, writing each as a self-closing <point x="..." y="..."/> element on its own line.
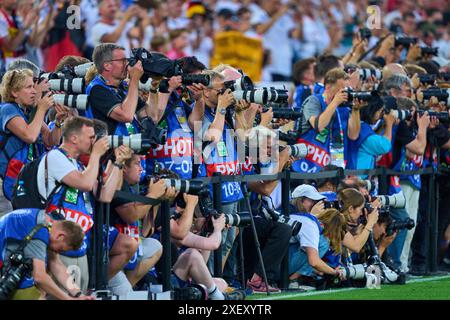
<point x="117" y="202"/>
<point x="103" y="102"/>
<point x="404" y="136"/>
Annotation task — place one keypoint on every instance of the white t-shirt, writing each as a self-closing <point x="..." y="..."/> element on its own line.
<point x="100" y="29"/>
<point x="277" y="40"/>
<point x="59" y="166"/>
<point x="309" y="234"/>
<point x="89" y="14"/>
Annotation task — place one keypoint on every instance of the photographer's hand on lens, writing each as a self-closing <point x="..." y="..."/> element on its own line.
<point x="42" y="86"/>
<point x="219" y="223"/>
<point x="434" y="122"/>
<point x="100" y="146"/>
<point x="156" y="190"/>
<point x="355" y="81"/>
<point x="46" y="102"/>
<point x="135" y="72"/>
<point x="340" y="97"/>
<point x="225" y="100"/>
<point x="386" y="240"/>
<point x="242" y="105"/>
<point x="340" y="274"/>
<point x="170" y="194"/>
<point x="424" y="120"/>
<point x="62" y="113"/>
<point x="358" y="104"/>
<point x="190" y="199"/>
<point x="122" y="154"/>
<point x="266" y="117"/>
<point x="414" y="52"/>
<point x="318" y="208"/>
<point x="389" y="119"/>
<point x="197" y="90"/>
<point x="174" y="82"/>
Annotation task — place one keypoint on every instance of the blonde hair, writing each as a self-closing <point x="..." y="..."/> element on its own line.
<point x="334" y="227"/>
<point x="13" y="80"/>
<point x="335" y="74"/>
<point x="91" y="73"/>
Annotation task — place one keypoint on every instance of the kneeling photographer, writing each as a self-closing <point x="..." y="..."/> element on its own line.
<point x="316" y="249"/>
<point x="24" y="261"/>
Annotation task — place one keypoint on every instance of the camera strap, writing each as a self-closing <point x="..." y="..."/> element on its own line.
<point x="30" y="236"/>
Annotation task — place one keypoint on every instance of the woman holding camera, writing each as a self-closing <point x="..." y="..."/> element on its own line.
<point x="369" y="145"/>
<point x="23" y="128"/>
<point x="318" y="243"/>
<point x="355" y="211"/>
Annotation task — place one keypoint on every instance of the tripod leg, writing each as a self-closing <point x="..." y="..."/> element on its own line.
<point x="255" y="235"/>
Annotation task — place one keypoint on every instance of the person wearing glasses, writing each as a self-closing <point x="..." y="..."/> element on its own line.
<point x="23" y="129"/>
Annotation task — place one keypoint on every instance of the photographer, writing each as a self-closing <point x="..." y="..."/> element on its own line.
<point x="407" y="154"/>
<point x="353" y="208"/>
<point x="328" y="186"/>
<point x="327" y="126"/>
<point x="311" y="248"/>
<point x="110" y="98"/>
<point x="364" y="150"/>
<point x="303" y="78"/>
<point x="125" y="217"/>
<point x="42" y="253"/>
<point x="66" y="185"/>
<point x="23" y="129"/>
<point x="272" y="234"/>
<point x="177" y="153"/>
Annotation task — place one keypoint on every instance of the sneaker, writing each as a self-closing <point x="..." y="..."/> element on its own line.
<point x="293" y="284"/>
<point x="260" y="287"/>
<point x="235" y="295"/>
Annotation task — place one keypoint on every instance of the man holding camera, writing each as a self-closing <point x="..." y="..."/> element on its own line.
<point x="67" y="186"/>
<point x="327" y="126"/>
<point x="48" y="238"/>
<point x="111" y="99"/>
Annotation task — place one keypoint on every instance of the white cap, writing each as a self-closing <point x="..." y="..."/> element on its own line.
<point x="308" y="191"/>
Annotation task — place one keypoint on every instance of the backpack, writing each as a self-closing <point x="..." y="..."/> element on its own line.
<point x="25" y="192"/>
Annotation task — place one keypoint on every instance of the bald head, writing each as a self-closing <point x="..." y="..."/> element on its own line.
<point x="393" y="68"/>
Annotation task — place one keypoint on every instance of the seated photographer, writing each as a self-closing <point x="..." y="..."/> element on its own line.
<point x="364" y="150"/>
<point x="353" y="208"/>
<point x="111" y="99"/>
<point x="193" y="254"/>
<point x="23" y="129"/>
<point x="173" y="115"/>
<point x="327" y="126"/>
<point x="273" y="235"/>
<point x="125" y="217"/>
<point x="67" y="186"/>
<point x="319" y="236"/>
<point x="328" y="186"/>
<point x="41" y="251"/>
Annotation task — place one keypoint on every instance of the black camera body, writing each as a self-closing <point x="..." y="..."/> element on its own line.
<point x="397" y="225"/>
<point x="427" y="78"/>
<point x="360" y="95"/>
<point x="18" y="268"/>
<point x="365" y="33"/>
<point x="429" y="51"/>
<point x="405" y="41"/>
<point x="336" y="204"/>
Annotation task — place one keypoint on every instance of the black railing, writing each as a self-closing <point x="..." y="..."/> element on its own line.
<point x="285" y="177"/>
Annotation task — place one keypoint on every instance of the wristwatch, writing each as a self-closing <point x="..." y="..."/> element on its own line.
<point x="118" y="165"/>
<point x="222" y="111"/>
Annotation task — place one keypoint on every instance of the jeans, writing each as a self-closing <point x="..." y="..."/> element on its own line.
<point x="412" y="205"/>
<point x="298" y="259"/>
<point x="396" y="247"/>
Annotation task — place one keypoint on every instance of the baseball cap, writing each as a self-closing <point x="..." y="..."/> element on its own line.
<point x="308" y="191"/>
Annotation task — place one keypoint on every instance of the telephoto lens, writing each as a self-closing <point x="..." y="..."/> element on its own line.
<point x="401" y="114"/>
<point x="189" y="79"/>
<point x="365" y="74"/>
<point x="82" y="69"/>
<point x="76" y="85"/>
<point x="134" y="142"/>
<point x="78" y="101"/>
<point x="185" y="186"/>
<point x="299" y="150"/>
<point x="397" y="200"/>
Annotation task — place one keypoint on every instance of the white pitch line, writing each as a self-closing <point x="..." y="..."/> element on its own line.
<point x="313" y="293"/>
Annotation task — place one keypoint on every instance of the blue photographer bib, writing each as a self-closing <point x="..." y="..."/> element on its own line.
<point x="176" y="153"/>
<point x="222" y="158"/>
